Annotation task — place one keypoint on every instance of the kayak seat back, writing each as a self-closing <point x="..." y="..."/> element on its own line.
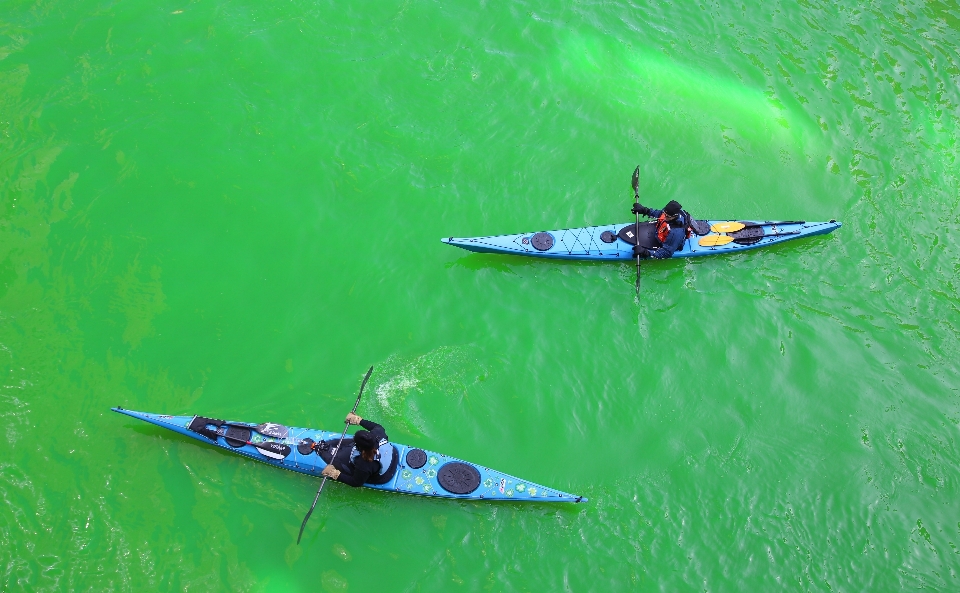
<point x="698" y="227"/>
<point x="387" y="475"/>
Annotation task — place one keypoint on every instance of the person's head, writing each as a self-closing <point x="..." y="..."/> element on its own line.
<point x="366" y="443"/>
<point x="672" y="209"/>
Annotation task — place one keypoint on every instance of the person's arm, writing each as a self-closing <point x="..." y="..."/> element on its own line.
<point x="361" y="471"/>
<point x="375" y="428"/>
<point x="639" y="208"/>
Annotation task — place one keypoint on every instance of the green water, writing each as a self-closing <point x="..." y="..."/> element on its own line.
<point x="233" y="209"/>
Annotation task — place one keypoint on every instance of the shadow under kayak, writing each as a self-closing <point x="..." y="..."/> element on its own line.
<point x="615" y="241"/>
<point x="416" y="471"/>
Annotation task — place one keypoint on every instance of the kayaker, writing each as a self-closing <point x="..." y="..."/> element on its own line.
<point x="371" y="455"/>
<point x="671" y="229"/>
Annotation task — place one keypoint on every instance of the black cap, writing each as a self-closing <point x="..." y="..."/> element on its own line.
<point x="673" y="208"/>
<point x="364" y="440"/>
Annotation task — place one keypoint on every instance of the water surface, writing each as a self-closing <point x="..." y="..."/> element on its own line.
<point x="233" y="209"/>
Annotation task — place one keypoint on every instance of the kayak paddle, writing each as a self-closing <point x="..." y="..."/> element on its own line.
<point x="335" y="451"/>
<point x="636" y="198"/>
<point x="717" y="240"/>
<point x="271" y="449"/>
<point x="731" y="227"/>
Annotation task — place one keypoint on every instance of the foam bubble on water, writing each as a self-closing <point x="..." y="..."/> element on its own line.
<point x="411" y="387"/>
<point x="395" y="389"/>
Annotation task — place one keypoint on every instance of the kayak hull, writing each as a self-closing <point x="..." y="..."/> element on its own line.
<point x="425" y="480"/>
<point x="587" y="243"/>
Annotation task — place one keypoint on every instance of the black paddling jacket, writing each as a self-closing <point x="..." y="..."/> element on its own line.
<point x="674" y="239"/>
<point x="355" y="470"/>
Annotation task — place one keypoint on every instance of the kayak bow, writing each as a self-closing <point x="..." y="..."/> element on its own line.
<point x="417" y="471"/>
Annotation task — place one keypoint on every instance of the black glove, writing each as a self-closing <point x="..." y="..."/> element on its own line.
<point x="641" y="251"/>
<point x="639" y="208"/>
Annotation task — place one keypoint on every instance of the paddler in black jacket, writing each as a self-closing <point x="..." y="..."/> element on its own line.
<point x="371" y="455"/>
<point x="671" y="229"/>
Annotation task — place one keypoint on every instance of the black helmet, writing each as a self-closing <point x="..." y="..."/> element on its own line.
<point x="365" y="441"/>
<point x="673" y="208"/>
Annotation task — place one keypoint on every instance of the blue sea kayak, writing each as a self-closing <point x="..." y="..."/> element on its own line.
<point x="414" y="470"/>
<point x="615" y="242"/>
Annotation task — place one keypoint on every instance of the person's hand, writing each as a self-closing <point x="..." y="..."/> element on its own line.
<point x="330" y="472"/>
<point x="641" y="251"/>
<point x="353" y="419"/>
<point x="639" y="208"/>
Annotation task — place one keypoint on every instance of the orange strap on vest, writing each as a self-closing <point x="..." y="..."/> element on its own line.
<point x="663" y="227"/>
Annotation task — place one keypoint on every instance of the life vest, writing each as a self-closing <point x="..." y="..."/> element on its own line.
<point x="384" y="455"/>
<point x="664" y="227"/>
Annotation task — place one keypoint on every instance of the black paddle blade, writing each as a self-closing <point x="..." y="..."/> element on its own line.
<point x="273" y="430"/>
<point x="304" y="524"/>
<point x="635" y="182"/>
<point x="362" y="385"/>
<point x="310" y="512"/>
<point x="273" y="450"/>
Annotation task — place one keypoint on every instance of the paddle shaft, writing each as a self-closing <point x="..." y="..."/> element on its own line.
<point x="638" y="255"/>
<point x="754" y="239"/>
<point x="765" y="236"/>
<point x="782" y="222"/>
<point x="721" y="239"/>
<point x="335" y="451"/>
<point x="635" y="182"/>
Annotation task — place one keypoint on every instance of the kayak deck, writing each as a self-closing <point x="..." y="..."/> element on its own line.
<point x="610" y="242"/>
<point x="420" y="472"/>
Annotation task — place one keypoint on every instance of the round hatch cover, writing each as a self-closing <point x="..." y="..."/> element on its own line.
<point x="416" y="458"/>
<point x="607" y="237"/>
<point x="542" y="241"/>
<point x="458" y="478"/>
<point x="305" y="447"/>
